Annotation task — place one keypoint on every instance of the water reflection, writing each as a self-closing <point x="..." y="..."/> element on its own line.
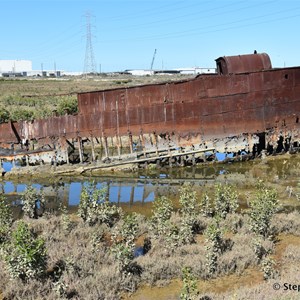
<point x="140" y="189"/>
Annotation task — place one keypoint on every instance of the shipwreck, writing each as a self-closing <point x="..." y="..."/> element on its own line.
<point x="245" y="108"/>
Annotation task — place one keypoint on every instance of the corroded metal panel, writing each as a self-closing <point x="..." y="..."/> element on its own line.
<point x="243" y="63"/>
<point x="200" y="110"/>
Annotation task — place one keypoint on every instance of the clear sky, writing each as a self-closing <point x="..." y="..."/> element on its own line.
<point x="125" y="33"/>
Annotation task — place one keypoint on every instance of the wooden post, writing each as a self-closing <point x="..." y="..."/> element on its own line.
<point x="80" y="148"/>
<point x="143" y="142"/>
<point x="93" y="148"/>
<point x="106" y="146"/>
<point x="130" y="142"/>
<point x="119" y="193"/>
<point x="118" y="145"/>
<point x="156" y="142"/>
<point x="193" y="159"/>
<point x="131" y="196"/>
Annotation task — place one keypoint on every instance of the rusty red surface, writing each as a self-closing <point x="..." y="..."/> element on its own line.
<point x="211" y="106"/>
<point x="243" y="63"/>
<point x="254" y="98"/>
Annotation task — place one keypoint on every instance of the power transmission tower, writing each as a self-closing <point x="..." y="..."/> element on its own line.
<point x="89" y="61"/>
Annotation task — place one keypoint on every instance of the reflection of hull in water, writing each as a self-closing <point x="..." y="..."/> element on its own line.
<point x="119" y="190"/>
<point x="247" y="106"/>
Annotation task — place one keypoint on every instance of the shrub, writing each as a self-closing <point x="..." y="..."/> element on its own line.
<point x="206" y="208"/>
<point x="4" y="115"/>
<point x="268" y="269"/>
<point x="67" y="105"/>
<point x="189" y="211"/>
<point x="95" y="207"/>
<point x="263" y="207"/>
<point x="33" y="202"/>
<point x="123" y="241"/>
<point x="66" y="222"/>
<point x="25" y="254"/>
<point x="214" y="245"/>
<point x="188" y="200"/>
<point x="189" y="289"/>
<point x="226" y="200"/>
<point x="161" y="214"/>
<point x="22" y="114"/>
<point x="6" y="219"/>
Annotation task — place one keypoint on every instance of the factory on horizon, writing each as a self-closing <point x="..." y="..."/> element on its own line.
<point x="23" y="68"/>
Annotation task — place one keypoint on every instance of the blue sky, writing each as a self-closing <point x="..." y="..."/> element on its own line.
<point x="125" y="33"/>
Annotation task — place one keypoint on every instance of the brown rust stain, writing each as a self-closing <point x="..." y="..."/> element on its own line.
<point x="253" y="99"/>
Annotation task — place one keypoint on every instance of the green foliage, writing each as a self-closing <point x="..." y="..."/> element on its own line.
<point x="22" y="114"/>
<point x="67" y="224"/>
<point x="259" y="249"/>
<point x="129" y="229"/>
<point x="188" y="201"/>
<point x="226" y="200"/>
<point x="123" y="255"/>
<point x="268" y="264"/>
<point x="94" y="207"/>
<point x="263" y="207"/>
<point x="161" y="214"/>
<point x="6" y="219"/>
<point x="123" y="243"/>
<point x="4" y="115"/>
<point x="31" y="199"/>
<point x="206" y="208"/>
<point x="25" y="255"/>
<point x="67" y="105"/>
<point x="189" y="289"/>
<point x="189" y="211"/>
<point x="214" y="245"/>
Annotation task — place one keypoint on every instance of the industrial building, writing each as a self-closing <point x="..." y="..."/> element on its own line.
<point x="21" y="68"/>
<point x="185" y="71"/>
<point x="16" y="67"/>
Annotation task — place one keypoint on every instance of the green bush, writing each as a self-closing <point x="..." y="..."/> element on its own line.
<point x="25" y="255"/>
<point x="67" y="105"/>
<point x="4" y="115"/>
<point x="161" y="214"/>
<point x="206" y="207"/>
<point x="262" y="208"/>
<point x="189" y="289"/>
<point x="226" y="200"/>
<point x="6" y="219"/>
<point x="94" y="207"/>
<point x="189" y="212"/>
<point x="123" y="242"/>
<point x="31" y="200"/>
<point x="214" y="245"/>
<point x="22" y="114"/>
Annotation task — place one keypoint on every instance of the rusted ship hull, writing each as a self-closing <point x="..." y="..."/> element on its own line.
<point x="247" y="106"/>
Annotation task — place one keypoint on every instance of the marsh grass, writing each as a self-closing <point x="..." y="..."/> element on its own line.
<point x="82" y="265"/>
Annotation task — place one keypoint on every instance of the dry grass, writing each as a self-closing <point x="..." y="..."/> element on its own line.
<point x="84" y="267"/>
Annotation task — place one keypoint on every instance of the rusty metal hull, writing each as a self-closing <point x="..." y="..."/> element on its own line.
<point x="231" y="113"/>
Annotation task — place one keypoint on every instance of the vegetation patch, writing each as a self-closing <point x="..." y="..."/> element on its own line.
<point x="103" y="253"/>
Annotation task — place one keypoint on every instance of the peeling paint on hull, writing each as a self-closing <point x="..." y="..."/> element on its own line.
<point x="235" y="112"/>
